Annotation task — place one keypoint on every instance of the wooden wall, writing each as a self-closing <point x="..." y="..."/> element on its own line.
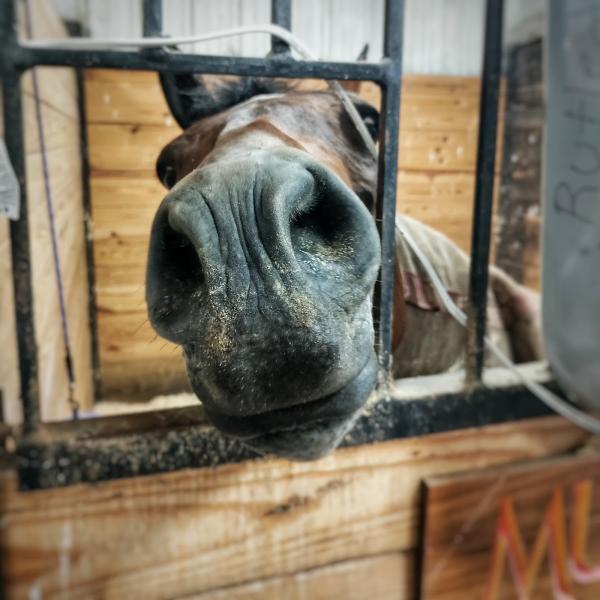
<point x="129" y="123"/>
<point x="61" y="126"/>
<point x="346" y="526"/>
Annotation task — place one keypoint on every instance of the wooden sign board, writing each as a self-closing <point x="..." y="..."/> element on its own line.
<point x="529" y="532"/>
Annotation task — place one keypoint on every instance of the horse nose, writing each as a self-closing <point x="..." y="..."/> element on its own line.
<point x="252" y="229"/>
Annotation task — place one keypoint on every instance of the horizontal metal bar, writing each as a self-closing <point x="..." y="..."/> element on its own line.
<point x="70" y="455"/>
<point x="25" y="58"/>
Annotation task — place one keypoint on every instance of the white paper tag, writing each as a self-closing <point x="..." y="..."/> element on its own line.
<point x="10" y="196"/>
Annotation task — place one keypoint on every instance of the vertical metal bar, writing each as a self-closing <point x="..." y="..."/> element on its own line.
<point x="484" y="188"/>
<point x="75" y="29"/>
<point x="281" y="14"/>
<point x="152" y="18"/>
<point x="89" y="240"/>
<point x="19" y="230"/>
<point x="387" y="174"/>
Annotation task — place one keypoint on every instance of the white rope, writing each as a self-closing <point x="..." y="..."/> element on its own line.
<point x="578" y="417"/>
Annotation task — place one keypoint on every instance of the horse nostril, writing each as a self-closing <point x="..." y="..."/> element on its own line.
<point x="174" y="275"/>
<point x="182" y="258"/>
<point x="311" y="223"/>
<point x="325" y="227"/>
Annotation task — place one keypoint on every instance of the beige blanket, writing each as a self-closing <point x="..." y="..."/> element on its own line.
<point x="431" y="341"/>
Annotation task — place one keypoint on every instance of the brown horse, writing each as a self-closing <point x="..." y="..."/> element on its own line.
<point x="263" y="258"/>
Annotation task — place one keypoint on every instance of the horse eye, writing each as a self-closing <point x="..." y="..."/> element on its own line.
<point x="372" y="126"/>
<point x="370" y="117"/>
<point x="167" y="176"/>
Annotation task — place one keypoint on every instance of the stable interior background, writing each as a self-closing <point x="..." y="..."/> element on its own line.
<point x="128" y="122"/>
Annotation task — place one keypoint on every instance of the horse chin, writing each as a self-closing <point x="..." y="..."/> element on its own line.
<point x="305" y="442"/>
<point x="304" y="431"/>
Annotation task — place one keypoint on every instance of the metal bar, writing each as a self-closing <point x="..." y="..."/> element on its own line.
<point x="89" y="240"/>
<point x="281" y="14"/>
<point x="75" y="29"/>
<point x="386" y="181"/>
<point x="484" y="188"/>
<point x="113" y="447"/>
<point x="25" y="58"/>
<point x="152" y="18"/>
<point x="19" y="230"/>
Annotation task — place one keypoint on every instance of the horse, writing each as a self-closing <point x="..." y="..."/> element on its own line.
<point x="263" y="258"/>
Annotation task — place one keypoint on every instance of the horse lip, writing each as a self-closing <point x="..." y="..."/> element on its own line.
<point x="336" y="407"/>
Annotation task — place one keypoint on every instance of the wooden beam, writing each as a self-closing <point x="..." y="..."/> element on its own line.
<point x="378" y="577"/>
<point x="198" y="530"/>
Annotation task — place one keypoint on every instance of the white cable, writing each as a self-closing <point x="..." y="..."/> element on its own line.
<point x="557" y="404"/>
<point x="578" y="417"/>
<point x="159" y="42"/>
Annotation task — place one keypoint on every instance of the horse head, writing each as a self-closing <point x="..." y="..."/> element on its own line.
<point x="263" y="258"/>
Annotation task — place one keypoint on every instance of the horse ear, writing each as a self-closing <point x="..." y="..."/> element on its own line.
<point x="194" y="97"/>
<point x="181" y="92"/>
<point x="354" y="86"/>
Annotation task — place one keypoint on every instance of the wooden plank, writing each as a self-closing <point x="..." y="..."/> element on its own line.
<point x="130" y="148"/>
<point x="432" y="151"/>
<point x="441" y="200"/>
<point x="59" y="89"/>
<point x="127" y="336"/>
<point x="132" y="381"/>
<point x="65" y="164"/>
<point x="127" y="379"/>
<point x="130" y="99"/>
<point x="127" y="113"/>
<point x="192" y="531"/>
<point x="389" y="576"/>
<point x="112" y="215"/>
<point x="58" y="127"/>
<point x="476" y="524"/>
<point x="133" y="358"/>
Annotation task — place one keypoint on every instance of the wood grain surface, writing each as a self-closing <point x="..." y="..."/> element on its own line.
<point x="263" y="521"/>
<point x="463" y="525"/>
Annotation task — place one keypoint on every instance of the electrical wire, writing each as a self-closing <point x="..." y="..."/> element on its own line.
<point x="557" y="404"/>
